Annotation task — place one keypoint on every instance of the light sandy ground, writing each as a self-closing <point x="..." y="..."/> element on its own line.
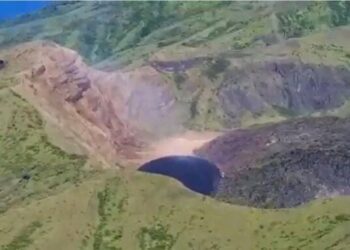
<point x="181" y="144"/>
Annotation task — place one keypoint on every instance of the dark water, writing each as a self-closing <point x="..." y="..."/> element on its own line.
<point x="195" y="173"/>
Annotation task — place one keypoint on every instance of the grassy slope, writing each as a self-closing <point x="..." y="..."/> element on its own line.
<point x="25" y="150"/>
<point x="62" y="202"/>
<point x="113" y="31"/>
<point x="114" y="213"/>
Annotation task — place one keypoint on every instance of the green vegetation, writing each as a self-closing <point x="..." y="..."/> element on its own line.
<point x="216" y="67"/>
<point x="23" y="240"/>
<point x="316" y="16"/>
<point x="105" y="238"/>
<point x="340" y="12"/>
<point x="47" y="198"/>
<point x="296" y="23"/>
<point x="285" y="112"/>
<point x="156" y="237"/>
<point x="30" y="165"/>
<point x="118" y="36"/>
<point x="179" y="78"/>
<point x="112" y="211"/>
<point x="6" y="82"/>
<point x="159" y="214"/>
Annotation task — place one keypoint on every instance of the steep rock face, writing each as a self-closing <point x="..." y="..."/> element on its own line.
<point x="113" y="114"/>
<point x="284" y="164"/>
<point x="177" y="66"/>
<point x="290" y="87"/>
<point x="60" y="85"/>
<point x="223" y="92"/>
<point x="146" y="99"/>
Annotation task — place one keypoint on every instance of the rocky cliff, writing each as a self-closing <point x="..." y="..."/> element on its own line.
<point x="114" y="115"/>
<point x="290" y="87"/>
<point x="64" y="89"/>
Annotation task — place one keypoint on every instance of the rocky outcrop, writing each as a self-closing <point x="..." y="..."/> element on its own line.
<point x="284" y="164"/>
<point x="65" y="90"/>
<point x="112" y="114"/>
<point x="287" y="86"/>
<point x="275" y="87"/>
<point x="177" y="66"/>
<point x="2" y="64"/>
<point x="145" y="99"/>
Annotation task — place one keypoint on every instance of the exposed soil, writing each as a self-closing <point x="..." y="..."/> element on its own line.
<point x="180" y="144"/>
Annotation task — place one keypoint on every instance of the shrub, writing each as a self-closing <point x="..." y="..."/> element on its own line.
<point x="216" y="67"/>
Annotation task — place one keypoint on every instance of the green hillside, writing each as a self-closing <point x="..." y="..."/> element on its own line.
<point x="61" y="201"/>
<point x="53" y="199"/>
<point x="129" y="31"/>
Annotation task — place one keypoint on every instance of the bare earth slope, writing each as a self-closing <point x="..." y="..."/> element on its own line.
<point x="62" y="87"/>
<point x="112" y="115"/>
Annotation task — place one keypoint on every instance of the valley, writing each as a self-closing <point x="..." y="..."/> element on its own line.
<point x="244" y="104"/>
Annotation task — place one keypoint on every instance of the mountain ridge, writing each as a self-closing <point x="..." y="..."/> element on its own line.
<point x="95" y="93"/>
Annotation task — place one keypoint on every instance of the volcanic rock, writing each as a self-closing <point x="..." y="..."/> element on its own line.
<point x="284" y="164"/>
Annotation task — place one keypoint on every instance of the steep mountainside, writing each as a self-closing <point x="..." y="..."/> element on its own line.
<point x="201" y="50"/>
<point x="112" y="115"/>
<point x="91" y="90"/>
<point x="62" y="87"/>
<point x="102" y="30"/>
